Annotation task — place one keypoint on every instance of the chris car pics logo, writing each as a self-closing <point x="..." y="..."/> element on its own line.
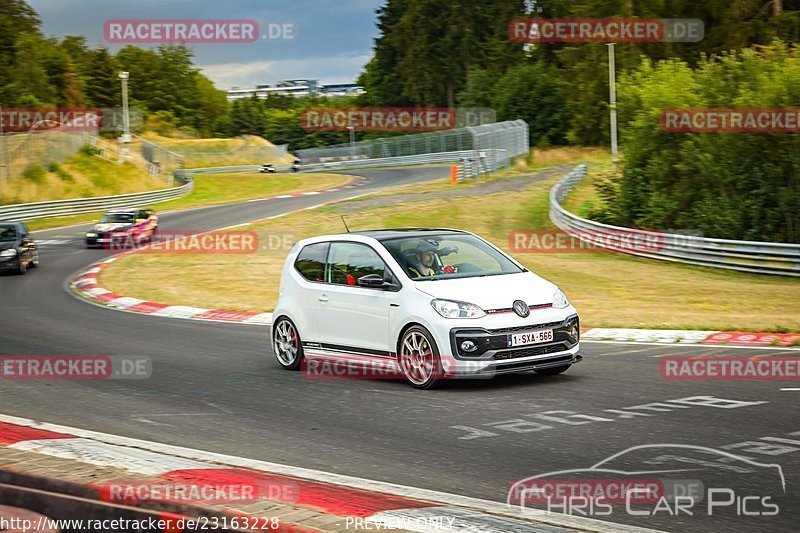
<point x="674" y="480"/>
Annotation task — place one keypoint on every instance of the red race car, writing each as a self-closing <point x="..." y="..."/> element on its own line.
<point x="123" y="227"/>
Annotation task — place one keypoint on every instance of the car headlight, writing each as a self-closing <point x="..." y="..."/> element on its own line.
<point x="559" y="299"/>
<point x="452" y="309"/>
<point x="91" y="235"/>
<point x="11" y="252"/>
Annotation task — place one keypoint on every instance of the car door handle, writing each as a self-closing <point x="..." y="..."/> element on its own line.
<point x="323" y="298"/>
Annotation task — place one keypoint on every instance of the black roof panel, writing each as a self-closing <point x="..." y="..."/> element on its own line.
<point x="393" y="233"/>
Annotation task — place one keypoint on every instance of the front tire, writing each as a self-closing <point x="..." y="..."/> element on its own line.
<point x="22" y="268"/>
<point x="419" y="359"/>
<point x="35" y="262"/>
<point x="552" y="371"/>
<point x="286" y="344"/>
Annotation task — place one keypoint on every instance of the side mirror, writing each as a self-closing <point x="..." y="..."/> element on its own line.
<point x="371" y="280"/>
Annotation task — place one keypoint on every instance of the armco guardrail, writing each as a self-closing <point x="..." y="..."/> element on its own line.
<point x="87" y="205"/>
<point x="217" y="170"/>
<point x="493" y="159"/>
<point x="746" y="256"/>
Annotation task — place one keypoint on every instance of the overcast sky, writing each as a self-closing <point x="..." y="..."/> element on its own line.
<point x="334" y="40"/>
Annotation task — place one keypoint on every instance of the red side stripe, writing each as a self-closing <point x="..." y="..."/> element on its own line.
<point x="331" y="499"/>
<point x="222" y="314"/>
<point x="146" y="307"/>
<point x="107" y="297"/>
<point x="12" y="433"/>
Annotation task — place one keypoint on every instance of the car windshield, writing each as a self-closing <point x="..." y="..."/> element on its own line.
<point x="446" y="256"/>
<point x="116" y="218"/>
<point x="8" y="233"/>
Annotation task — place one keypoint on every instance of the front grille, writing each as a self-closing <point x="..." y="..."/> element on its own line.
<point x="532" y="365"/>
<point x="526" y="328"/>
<point x="532" y="307"/>
<point x="529" y="352"/>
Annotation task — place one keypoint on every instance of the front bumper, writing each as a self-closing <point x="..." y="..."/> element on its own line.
<point x="102" y="239"/>
<point x="9" y="263"/>
<point x="108" y="241"/>
<point x="492" y="354"/>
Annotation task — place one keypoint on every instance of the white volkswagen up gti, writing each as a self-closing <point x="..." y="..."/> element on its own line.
<point x="429" y="304"/>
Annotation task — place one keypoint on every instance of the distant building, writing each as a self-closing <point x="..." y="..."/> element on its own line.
<point x="300" y="87"/>
<point x="341" y="89"/>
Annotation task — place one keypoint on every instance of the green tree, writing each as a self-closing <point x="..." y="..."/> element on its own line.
<point x="427" y="47"/>
<point x="71" y="92"/>
<point x="534" y="93"/>
<point x="30" y="78"/>
<point x="725" y="185"/>
<point x="102" y="81"/>
<point x="478" y="90"/>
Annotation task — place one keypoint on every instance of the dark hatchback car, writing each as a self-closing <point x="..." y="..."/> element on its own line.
<point x="17" y="250"/>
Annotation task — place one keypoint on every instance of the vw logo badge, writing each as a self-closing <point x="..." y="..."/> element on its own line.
<point x="521" y="308"/>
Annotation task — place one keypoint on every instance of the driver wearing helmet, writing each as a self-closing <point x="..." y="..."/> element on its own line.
<point x="425" y="266"/>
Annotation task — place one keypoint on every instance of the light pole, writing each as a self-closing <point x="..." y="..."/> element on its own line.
<point x="352" y="140"/>
<point x="125" y="139"/>
<point x="612" y="97"/>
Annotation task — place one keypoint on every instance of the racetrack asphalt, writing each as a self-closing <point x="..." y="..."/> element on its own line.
<point x="217" y="387"/>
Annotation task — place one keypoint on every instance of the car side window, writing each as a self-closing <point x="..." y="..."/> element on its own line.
<point x="8" y="233"/>
<point x="349" y="261"/>
<point x="310" y="262"/>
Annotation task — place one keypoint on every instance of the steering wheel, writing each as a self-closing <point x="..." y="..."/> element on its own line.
<point x="467" y="267"/>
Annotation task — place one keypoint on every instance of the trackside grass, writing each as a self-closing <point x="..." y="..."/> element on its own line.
<point x="245" y="150"/>
<point x="81" y="176"/>
<point x="216" y="189"/>
<point x="609" y="290"/>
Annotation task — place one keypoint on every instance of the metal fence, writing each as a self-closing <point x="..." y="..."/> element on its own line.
<point x="19" y="151"/>
<point x="160" y="160"/>
<point x="248" y="153"/>
<point x="492" y="160"/>
<point x="745" y="256"/>
<point x="501" y="141"/>
<point x="57" y="208"/>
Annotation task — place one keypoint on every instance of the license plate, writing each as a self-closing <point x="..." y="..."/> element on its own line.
<point x="530" y="337"/>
